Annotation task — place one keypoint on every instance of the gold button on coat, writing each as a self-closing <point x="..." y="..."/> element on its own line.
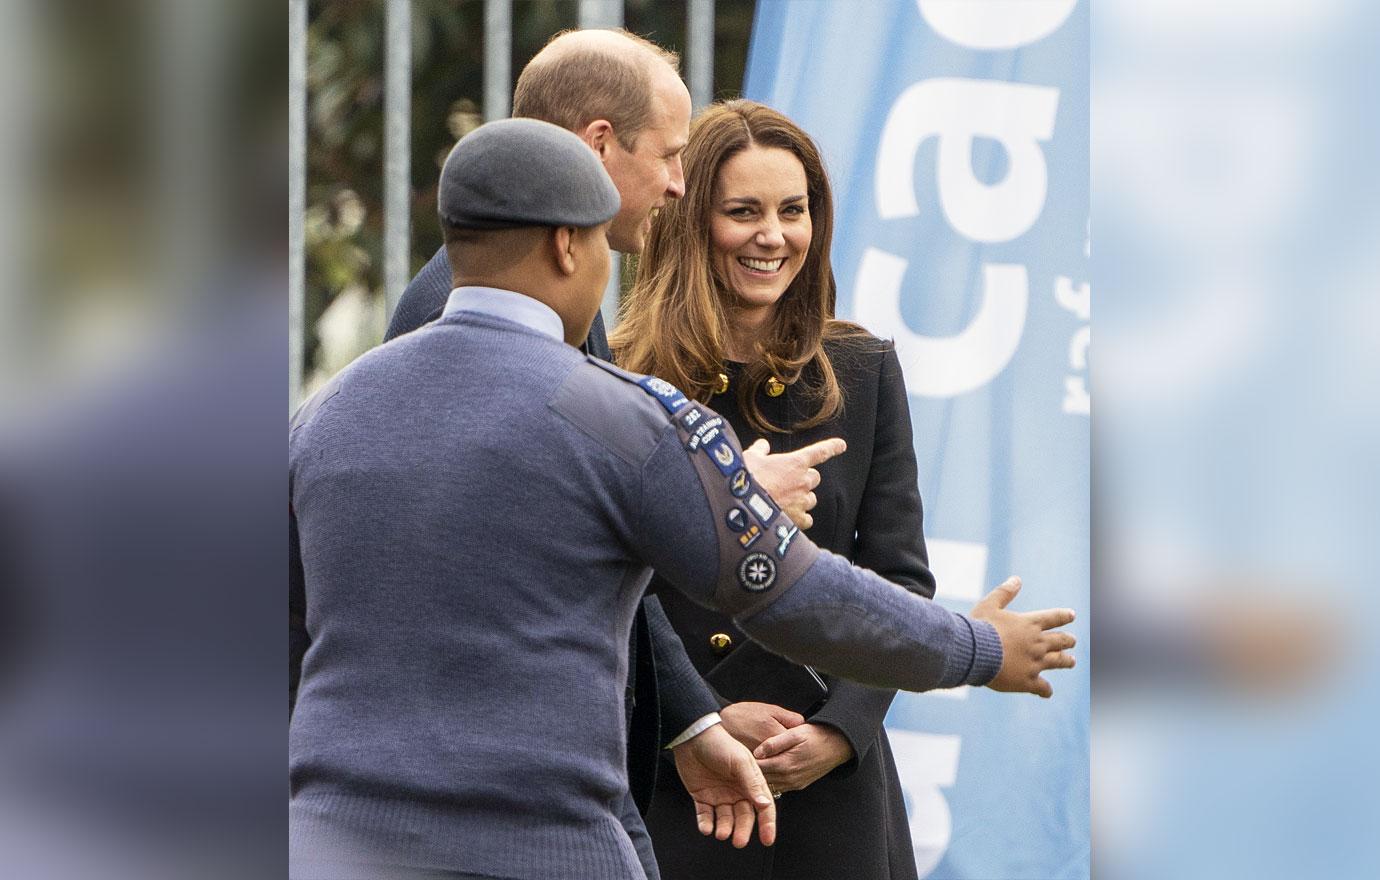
<point x="775" y="388"/>
<point x="723" y="384"/>
<point x="720" y="642"/>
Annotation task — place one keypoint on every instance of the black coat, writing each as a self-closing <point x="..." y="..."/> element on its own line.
<point x="852" y="822"/>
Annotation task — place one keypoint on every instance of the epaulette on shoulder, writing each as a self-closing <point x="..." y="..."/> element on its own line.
<point x="668" y="395"/>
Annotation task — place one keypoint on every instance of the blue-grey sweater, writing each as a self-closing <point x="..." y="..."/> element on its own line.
<point x="475" y="511"/>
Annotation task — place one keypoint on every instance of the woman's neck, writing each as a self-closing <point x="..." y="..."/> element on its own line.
<point x="745" y="327"/>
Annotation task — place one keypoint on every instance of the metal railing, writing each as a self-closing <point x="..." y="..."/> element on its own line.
<point x="397" y="199"/>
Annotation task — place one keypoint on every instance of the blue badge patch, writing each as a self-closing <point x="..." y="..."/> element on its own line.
<point x="757" y="572"/>
<point x="752" y="534"/>
<point x="691" y="417"/>
<point x="664" y="391"/>
<point x="785" y="535"/>
<point x="736" y="519"/>
<point x="739" y="484"/>
<point x="725" y="459"/>
<point x="761" y="508"/>
<point x="705" y="435"/>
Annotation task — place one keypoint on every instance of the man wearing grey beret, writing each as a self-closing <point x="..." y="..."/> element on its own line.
<point x="476" y="509"/>
<point x="623" y="97"/>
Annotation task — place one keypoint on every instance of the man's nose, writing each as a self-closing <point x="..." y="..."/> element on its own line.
<point x="675" y="187"/>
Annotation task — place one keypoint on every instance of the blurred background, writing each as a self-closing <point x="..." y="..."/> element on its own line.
<point x="145" y="244"/>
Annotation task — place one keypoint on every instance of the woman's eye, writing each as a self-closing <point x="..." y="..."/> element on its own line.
<point x="740" y="212"/>
<point x="794" y="210"/>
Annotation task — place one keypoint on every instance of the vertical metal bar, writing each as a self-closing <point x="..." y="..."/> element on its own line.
<point x="498" y="54"/>
<point x="20" y="89"/>
<point x="397" y="151"/>
<point x="297" y="195"/>
<point x="601" y="13"/>
<point x="699" y="52"/>
<point x="606" y="14"/>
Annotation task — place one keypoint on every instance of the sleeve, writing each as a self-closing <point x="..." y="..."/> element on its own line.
<point x="424" y="297"/>
<point x="683" y="695"/>
<point x="712" y="533"/>
<point x="891" y="542"/>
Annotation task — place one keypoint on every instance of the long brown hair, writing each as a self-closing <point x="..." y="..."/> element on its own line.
<point x="673" y="322"/>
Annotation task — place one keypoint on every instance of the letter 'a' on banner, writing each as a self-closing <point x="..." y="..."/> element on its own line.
<point x="956" y="137"/>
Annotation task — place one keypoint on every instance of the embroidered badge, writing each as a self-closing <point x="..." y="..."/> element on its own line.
<point x="739" y="484"/>
<point x="664" y="391"/>
<point x="723" y="456"/>
<point x="786" y="534"/>
<point x="705" y="435"/>
<point x="757" y="572"/>
<point x="752" y="534"/>
<point x="736" y="519"/>
<point x="691" y="417"/>
<point x="761" y="508"/>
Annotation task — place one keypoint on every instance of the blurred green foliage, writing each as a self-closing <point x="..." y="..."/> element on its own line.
<point x="345" y="63"/>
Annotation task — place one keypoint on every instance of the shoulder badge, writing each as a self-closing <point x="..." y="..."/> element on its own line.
<point x="667" y="395"/>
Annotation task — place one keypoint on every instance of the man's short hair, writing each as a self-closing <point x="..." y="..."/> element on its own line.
<point x="582" y="85"/>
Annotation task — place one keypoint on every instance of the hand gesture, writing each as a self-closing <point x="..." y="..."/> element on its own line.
<point x="790" y="478"/>
<point x="1027" y="647"/>
<point x="750" y="723"/>
<point x="797" y="757"/>
<point x="727" y="788"/>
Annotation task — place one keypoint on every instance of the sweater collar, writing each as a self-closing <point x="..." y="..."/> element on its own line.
<point x="509" y="305"/>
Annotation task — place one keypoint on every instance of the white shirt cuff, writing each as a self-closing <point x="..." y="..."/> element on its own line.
<point x="695" y="729"/>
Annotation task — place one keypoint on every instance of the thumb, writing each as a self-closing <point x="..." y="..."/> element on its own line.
<point x="786" y="718"/>
<point x="752" y="783"/>
<point x="1003" y="593"/>
<point x="759" y="447"/>
<point x="782" y="742"/>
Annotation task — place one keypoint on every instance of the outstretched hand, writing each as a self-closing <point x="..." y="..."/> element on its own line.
<point x="727" y="788"/>
<point x="1028" y="648"/>
<point x="790" y="478"/>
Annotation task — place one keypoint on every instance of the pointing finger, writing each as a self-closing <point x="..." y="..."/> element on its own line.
<point x="822" y="451"/>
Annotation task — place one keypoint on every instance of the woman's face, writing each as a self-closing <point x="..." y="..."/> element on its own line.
<point x="760" y="226"/>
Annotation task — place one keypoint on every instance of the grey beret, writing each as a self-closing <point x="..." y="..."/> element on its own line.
<point x="524" y="172"/>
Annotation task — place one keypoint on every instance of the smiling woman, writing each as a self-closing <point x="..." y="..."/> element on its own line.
<point x="733" y="303"/>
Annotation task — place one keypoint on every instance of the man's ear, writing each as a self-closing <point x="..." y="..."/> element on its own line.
<point x="599" y="136"/>
<point x="563" y="248"/>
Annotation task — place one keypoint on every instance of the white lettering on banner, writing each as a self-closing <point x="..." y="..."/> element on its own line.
<point x="960" y="574"/>
<point x="944" y="366"/>
<point x="955" y="111"/>
<point x="1077" y="300"/>
<point x="995" y="24"/>
<point x="926" y="762"/>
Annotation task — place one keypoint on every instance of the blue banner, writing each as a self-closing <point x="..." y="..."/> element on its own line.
<point x="956" y="136"/>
